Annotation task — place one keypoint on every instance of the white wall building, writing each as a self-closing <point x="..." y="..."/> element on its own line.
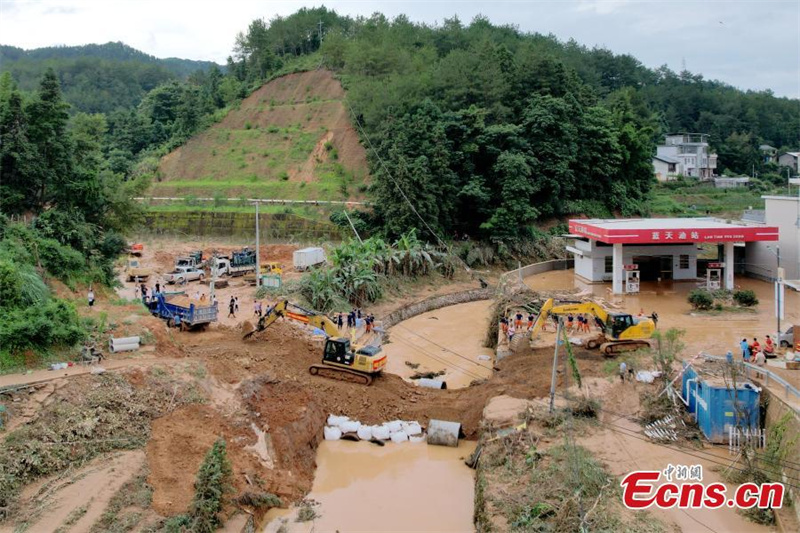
<point x="760" y="257"/>
<point x="657" y="249"/>
<point x="690" y="154"/>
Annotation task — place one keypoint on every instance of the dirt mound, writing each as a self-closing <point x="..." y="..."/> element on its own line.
<point x="293" y="131"/>
<point x="285" y="354"/>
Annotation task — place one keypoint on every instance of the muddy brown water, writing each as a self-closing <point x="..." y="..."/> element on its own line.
<point x="449" y="339"/>
<point x="711" y="333"/>
<point x="398" y="487"/>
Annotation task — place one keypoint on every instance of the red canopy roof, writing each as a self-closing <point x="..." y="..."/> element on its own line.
<point x="669" y="231"/>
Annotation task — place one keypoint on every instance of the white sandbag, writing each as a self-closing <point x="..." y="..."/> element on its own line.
<point x="412" y="428"/>
<point x="350" y="426"/>
<point x="416" y="438"/>
<point x="333" y="433"/>
<point x="394" y="426"/>
<point x="334" y="420"/>
<point x="399" y="436"/>
<point x="381" y="433"/>
<point x="365" y="433"/>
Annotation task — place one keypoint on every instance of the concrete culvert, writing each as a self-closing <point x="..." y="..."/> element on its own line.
<point x="444" y="433"/>
<point x="432" y="383"/>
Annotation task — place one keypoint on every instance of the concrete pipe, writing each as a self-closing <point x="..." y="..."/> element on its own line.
<point x="124" y="347"/>
<point x="432" y="383"/>
<point x="443" y="433"/>
<point x="126" y="340"/>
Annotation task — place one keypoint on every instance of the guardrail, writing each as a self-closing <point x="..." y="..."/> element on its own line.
<point x="249" y="200"/>
<point x="749" y="368"/>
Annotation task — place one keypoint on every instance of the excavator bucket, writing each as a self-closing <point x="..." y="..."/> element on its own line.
<point x="248" y="329"/>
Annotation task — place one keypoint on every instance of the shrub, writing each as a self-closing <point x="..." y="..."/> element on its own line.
<point x="700" y="299"/>
<point x="61" y="261"/>
<point x="213" y="483"/>
<point x="41" y="326"/>
<point x="284" y="176"/>
<point x="746" y="298"/>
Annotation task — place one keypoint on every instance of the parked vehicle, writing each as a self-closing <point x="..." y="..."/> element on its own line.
<point x="135" y="272"/>
<point x="179" y="310"/>
<point x="308" y="258"/>
<point x="136" y="248"/>
<point x="226" y="268"/>
<point x="183" y="274"/>
<point x="237" y="264"/>
<point x="194" y="259"/>
<point x="787" y="338"/>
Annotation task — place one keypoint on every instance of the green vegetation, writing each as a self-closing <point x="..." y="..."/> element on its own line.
<point x="489" y="130"/>
<point x="701" y="299"/>
<point x="688" y="198"/>
<point x="97" y="78"/>
<point x="359" y="272"/>
<point x="211" y="487"/>
<point x="54" y="173"/>
<point x="745" y="298"/>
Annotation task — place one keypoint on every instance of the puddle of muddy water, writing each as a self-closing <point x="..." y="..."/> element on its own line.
<point x="710" y="333"/>
<point x="399" y="487"/>
<point x="448" y="339"/>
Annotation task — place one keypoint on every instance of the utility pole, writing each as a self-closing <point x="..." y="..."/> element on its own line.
<point x="352" y="226"/>
<point x="258" y="251"/>
<point x="555" y="364"/>
<point x="778" y="293"/>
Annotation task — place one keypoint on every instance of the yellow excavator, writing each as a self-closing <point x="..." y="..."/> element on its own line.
<point x="340" y="358"/>
<point x="620" y="332"/>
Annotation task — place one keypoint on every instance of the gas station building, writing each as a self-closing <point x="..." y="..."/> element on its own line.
<point x="627" y="251"/>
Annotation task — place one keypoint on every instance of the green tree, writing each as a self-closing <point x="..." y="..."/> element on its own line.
<point x="47" y="119"/>
<point x="211" y="489"/>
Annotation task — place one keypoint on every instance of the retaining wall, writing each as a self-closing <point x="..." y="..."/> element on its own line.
<point x="273" y="226"/>
<point x="436" y="302"/>
<point x="543" y="266"/>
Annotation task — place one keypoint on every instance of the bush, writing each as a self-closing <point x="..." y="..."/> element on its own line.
<point x="746" y="298"/>
<point x="54" y="323"/>
<point x="61" y="261"/>
<point x="213" y="483"/>
<point x="701" y="299"/>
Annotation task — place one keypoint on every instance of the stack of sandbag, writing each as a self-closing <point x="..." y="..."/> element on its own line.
<point x="341" y="427"/>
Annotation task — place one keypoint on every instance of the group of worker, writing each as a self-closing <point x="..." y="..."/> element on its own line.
<point x="754" y="352"/>
<point x="514" y="324"/>
<point x="353" y="318"/>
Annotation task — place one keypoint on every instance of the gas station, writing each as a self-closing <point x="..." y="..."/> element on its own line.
<point x="629" y="251"/>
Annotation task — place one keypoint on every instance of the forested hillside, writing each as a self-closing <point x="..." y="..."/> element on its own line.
<point x="488" y="129"/>
<point x="97" y="78"/>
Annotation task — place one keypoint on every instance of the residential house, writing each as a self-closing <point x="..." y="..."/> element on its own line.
<point x="769" y="154"/>
<point x="791" y="160"/>
<point x="690" y="154"/>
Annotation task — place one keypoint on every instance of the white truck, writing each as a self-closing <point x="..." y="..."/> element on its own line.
<point x="308" y="258"/>
<point x="182" y="274"/>
<point x="226" y="268"/>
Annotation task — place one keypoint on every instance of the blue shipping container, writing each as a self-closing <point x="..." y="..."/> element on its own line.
<point x="712" y="402"/>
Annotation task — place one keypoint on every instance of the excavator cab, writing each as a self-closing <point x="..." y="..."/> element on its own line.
<point x="338" y="351"/>
<point x="619" y="323"/>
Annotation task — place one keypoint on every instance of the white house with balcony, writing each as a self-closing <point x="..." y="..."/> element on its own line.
<point x="684" y="154"/>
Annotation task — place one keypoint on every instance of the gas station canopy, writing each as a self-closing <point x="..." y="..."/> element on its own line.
<point x="669" y="231"/>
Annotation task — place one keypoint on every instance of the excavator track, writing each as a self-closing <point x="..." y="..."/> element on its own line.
<point x="610" y="349"/>
<point x="341" y="374"/>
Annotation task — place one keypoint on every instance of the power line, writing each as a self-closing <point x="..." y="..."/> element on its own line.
<point x="442" y="361"/>
<point x="469" y="360"/>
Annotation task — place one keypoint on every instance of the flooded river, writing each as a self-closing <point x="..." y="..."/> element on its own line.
<point x="399" y="487"/>
<point x="449" y="339"/>
<point x="708" y="332"/>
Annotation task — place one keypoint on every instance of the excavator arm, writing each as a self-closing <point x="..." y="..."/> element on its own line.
<point x="295" y="312"/>
<point x="549" y="308"/>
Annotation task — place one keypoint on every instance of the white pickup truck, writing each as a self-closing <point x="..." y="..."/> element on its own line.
<point x="182" y="274"/>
